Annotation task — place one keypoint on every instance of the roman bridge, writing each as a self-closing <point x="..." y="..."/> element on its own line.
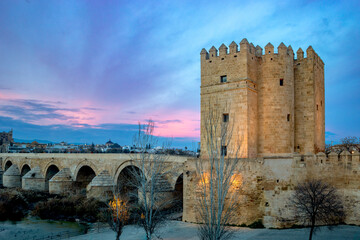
<point x="93" y="174"/>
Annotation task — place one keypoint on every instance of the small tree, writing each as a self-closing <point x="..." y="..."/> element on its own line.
<point x="350" y="143"/>
<point x="327" y="148"/>
<point x="317" y="203"/>
<point x="150" y="178"/>
<point x="118" y="214"/>
<point x="219" y="183"/>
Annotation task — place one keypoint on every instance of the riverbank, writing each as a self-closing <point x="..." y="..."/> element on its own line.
<point x="176" y="230"/>
<point x="32" y="229"/>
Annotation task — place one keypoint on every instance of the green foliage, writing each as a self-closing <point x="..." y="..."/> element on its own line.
<point x="12" y="206"/>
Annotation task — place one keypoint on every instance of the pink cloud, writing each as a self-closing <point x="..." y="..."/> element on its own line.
<point x="86" y="114"/>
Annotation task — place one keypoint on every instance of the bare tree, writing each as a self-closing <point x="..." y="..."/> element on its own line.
<point x="150" y="177"/>
<point x="118" y="213"/>
<point x="317" y="203"/>
<point x="327" y="148"/>
<point x="350" y="143"/>
<point x="219" y="181"/>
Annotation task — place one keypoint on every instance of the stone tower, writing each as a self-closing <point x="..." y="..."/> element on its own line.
<point x="274" y="103"/>
<point x="6" y="138"/>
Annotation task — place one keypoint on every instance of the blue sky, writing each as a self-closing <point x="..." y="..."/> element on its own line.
<point x="87" y="71"/>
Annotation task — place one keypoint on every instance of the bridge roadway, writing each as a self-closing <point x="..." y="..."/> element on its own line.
<point x="93" y="174"/>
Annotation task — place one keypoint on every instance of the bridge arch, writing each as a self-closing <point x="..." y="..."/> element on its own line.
<point x="7" y="164"/>
<point x="124" y="165"/>
<point x="50" y="172"/>
<point x="127" y="182"/>
<point x="25" y="169"/>
<point x="83" y="175"/>
<point x="85" y="163"/>
<point x="178" y="193"/>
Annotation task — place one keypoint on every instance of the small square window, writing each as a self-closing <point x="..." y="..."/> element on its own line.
<point x="223" y="150"/>
<point x="223" y="79"/>
<point x="281" y="82"/>
<point x="225" y="117"/>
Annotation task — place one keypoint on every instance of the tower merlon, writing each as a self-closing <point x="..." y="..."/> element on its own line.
<point x="233" y="47"/>
<point x="310" y="52"/>
<point x="252" y="48"/>
<point x="282" y="49"/>
<point x="204" y="54"/>
<point x="223" y="50"/>
<point x="269" y="48"/>
<point x="244" y="45"/>
<point x="299" y="54"/>
<point x="258" y="51"/>
<point x="290" y="51"/>
<point x="213" y="52"/>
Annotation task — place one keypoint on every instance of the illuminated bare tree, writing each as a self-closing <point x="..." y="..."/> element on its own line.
<point x="118" y="214"/>
<point x="150" y="178"/>
<point x="317" y="203"/>
<point x="219" y="183"/>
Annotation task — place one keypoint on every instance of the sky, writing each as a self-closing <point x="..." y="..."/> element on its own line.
<point x="89" y="71"/>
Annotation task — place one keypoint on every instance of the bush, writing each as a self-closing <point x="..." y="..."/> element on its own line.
<point x="256" y="224"/>
<point x="69" y="208"/>
<point x="17" y="203"/>
<point x="12" y="206"/>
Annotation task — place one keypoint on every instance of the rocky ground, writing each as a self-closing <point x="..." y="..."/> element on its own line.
<point x="34" y="229"/>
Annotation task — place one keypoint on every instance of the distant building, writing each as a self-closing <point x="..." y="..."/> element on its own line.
<point x="6" y="139"/>
<point x="109" y="143"/>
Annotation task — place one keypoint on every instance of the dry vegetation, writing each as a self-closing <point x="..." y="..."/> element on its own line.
<point x="16" y="204"/>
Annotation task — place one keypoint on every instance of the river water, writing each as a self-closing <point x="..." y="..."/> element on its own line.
<point x="34" y="229"/>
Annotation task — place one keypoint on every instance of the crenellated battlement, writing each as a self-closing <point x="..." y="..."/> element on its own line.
<point x="310" y="55"/>
<point x="333" y="158"/>
<point x="245" y="46"/>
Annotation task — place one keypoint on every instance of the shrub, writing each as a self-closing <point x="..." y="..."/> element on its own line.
<point x="12" y="206"/>
<point x="69" y="208"/>
<point x="256" y="224"/>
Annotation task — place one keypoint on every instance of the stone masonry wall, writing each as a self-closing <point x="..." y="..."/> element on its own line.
<point x="276" y="102"/>
<point x="268" y="184"/>
<point x="309" y="102"/>
<point x="236" y="97"/>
